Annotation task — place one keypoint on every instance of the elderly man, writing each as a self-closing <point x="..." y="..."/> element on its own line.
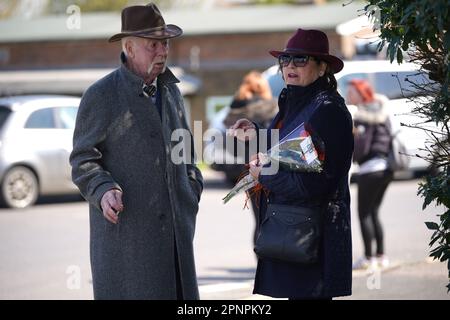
<point x="142" y="205"/>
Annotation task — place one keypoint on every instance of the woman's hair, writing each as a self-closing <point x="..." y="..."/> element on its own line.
<point x="253" y="84"/>
<point x="329" y="75"/>
<point x="364" y="89"/>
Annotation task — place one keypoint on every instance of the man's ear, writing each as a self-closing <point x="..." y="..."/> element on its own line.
<point x="129" y="45"/>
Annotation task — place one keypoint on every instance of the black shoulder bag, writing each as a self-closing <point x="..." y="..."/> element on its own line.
<point x="291" y="233"/>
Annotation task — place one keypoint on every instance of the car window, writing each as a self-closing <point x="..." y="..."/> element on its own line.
<point x="396" y="85"/>
<point x="41" y="119"/>
<point x="4" y="114"/>
<point x="66" y="117"/>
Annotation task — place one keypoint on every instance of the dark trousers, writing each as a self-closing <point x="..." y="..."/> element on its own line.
<point x="371" y="189"/>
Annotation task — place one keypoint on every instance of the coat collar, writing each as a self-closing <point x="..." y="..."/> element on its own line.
<point x="135" y="82"/>
<point x="294" y="98"/>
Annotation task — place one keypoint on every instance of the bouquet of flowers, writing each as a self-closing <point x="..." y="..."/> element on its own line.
<point x="297" y="151"/>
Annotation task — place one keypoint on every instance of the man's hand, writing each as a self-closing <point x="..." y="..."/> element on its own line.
<point x="111" y="204"/>
<point x="243" y="130"/>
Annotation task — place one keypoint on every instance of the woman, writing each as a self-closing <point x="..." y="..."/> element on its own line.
<point x="308" y="71"/>
<point x="253" y="100"/>
<point x="372" y="145"/>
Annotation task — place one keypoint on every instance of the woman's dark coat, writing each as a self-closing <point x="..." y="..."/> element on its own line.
<point x="332" y="122"/>
<point x="120" y="141"/>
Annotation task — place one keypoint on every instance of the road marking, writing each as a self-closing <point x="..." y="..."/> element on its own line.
<point x="222" y="287"/>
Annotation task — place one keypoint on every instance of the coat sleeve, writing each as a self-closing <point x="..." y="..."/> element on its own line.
<point x="91" y="127"/>
<point x="334" y="127"/>
<point x="194" y="174"/>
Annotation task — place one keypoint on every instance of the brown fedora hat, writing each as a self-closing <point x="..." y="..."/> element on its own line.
<point x="312" y="43"/>
<point x="145" y="22"/>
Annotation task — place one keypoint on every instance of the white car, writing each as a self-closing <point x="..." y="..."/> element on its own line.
<point x="414" y="139"/>
<point x="35" y="143"/>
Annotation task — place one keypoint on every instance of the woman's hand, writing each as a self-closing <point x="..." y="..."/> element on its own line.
<point x="243" y="130"/>
<point x="255" y="166"/>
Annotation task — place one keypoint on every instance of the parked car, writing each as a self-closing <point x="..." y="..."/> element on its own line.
<point x="413" y="139"/>
<point x="35" y="144"/>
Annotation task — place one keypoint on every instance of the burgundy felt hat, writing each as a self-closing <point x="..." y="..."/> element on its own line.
<point x="312" y="43"/>
<point x="145" y="22"/>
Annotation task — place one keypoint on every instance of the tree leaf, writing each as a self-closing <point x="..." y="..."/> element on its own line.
<point x="437" y="252"/>
<point x="445" y="256"/>
<point x="433" y="241"/>
<point x="399" y="55"/>
<point x="432" y="225"/>
<point x="447" y="40"/>
<point x="391" y="52"/>
<point x="448" y="268"/>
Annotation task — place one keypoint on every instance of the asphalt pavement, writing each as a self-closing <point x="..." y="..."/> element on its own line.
<point x="44" y="250"/>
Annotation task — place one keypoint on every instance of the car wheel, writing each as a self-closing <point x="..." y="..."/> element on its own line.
<point x="20" y="188"/>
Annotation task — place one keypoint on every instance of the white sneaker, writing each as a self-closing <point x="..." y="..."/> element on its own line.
<point x="383" y="261"/>
<point x="365" y="264"/>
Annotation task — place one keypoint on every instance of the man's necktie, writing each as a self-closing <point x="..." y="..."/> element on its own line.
<point x="149" y="90"/>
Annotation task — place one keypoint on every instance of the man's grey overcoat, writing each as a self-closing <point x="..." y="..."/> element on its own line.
<point x="121" y="142"/>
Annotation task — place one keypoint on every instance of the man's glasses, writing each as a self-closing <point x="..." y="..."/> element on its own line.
<point x="299" y="61"/>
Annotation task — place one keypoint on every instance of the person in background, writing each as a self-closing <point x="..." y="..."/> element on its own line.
<point x="253" y="100"/>
<point x="372" y="135"/>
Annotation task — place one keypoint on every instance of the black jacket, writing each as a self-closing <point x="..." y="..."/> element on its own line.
<point x="332" y="122"/>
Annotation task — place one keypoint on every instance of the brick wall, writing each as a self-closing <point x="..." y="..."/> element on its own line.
<point x="60" y="54"/>
<point x="215" y="51"/>
<point x="223" y="58"/>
